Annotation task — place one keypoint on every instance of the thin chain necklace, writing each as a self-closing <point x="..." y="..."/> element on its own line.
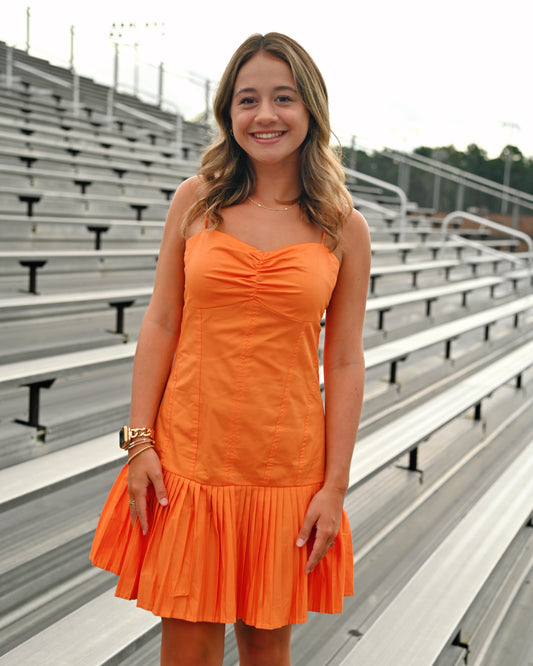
<point x="276" y="210"/>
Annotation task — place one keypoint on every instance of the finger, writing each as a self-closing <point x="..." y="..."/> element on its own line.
<point x="307" y="528"/>
<point x="320" y="548"/>
<point x="141" y="512"/>
<point x="159" y="489"/>
<point x="133" y="513"/>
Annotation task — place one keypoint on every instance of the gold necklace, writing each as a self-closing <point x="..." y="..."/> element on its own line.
<point x="276" y="210"/>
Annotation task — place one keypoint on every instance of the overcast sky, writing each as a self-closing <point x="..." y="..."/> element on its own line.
<point x="399" y="74"/>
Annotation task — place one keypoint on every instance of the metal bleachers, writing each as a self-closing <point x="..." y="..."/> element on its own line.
<point x="440" y="498"/>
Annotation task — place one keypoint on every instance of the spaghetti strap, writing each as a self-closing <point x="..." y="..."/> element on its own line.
<point x="323" y="238"/>
<point x="206" y="222"/>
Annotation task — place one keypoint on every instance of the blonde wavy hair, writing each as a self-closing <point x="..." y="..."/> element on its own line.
<point x="226" y="172"/>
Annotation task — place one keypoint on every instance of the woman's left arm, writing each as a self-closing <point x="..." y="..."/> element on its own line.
<point x="344" y="374"/>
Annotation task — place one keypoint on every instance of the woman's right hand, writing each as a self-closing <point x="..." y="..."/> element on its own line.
<point x="145" y="470"/>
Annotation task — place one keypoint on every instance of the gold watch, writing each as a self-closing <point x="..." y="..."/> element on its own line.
<point x="127" y="435"/>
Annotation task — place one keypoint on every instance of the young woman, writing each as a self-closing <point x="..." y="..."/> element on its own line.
<point x="231" y="506"/>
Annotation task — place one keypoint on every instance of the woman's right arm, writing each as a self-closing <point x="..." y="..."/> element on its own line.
<point x="156" y="347"/>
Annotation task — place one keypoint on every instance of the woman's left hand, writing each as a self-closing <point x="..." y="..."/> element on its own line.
<point x="324" y="517"/>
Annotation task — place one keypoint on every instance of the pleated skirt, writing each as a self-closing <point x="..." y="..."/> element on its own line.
<point x="222" y="553"/>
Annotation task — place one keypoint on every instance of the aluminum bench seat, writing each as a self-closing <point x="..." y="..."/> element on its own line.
<point x="425" y="617"/>
<point x="383" y="304"/>
<point x="407" y="431"/>
<point x="398" y="350"/>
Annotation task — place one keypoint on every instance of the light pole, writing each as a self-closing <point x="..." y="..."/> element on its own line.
<point x="28" y="12"/>
<point x="112" y="89"/>
<point x="510" y="157"/>
<point x="71" y="48"/>
<point x="353" y="153"/>
<point x="128" y="33"/>
<point x="120" y="35"/>
<point x="75" y="77"/>
<point x="205" y="83"/>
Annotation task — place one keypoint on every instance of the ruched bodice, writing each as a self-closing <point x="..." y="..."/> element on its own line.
<point x="295" y="280"/>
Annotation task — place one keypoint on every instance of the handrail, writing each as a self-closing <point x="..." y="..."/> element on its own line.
<point x="484" y="222"/>
<point x="482" y="247"/>
<point x="386" y="186"/>
<point x="163" y="102"/>
<point x="471" y="180"/>
<point x="49" y="78"/>
<point x="503" y="189"/>
<point x="136" y="113"/>
<point x="372" y="205"/>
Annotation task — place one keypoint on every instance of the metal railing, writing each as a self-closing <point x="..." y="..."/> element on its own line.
<point x="126" y="52"/>
<point x="463" y="179"/>
<point x="112" y="103"/>
<point x="484" y="222"/>
<point x="402" y="197"/>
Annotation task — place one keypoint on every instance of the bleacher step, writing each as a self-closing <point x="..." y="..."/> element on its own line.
<point x="106" y="627"/>
<point x="36" y="616"/>
<point x="56" y="569"/>
<point x="477" y="542"/>
<point x="484" y="619"/>
<point x="64" y="467"/>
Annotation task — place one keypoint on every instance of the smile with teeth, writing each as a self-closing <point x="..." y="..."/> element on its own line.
<point x="267" y="135"/>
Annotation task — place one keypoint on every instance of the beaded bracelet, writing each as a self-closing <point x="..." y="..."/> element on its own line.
<point x="150" y="446"/>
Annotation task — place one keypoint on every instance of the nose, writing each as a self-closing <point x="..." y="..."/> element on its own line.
<point x="266" y="112"/>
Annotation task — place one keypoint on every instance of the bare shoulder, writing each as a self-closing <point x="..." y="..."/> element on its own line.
<point x="184" y="197"/>
<point x="190" y="186"/>
<point x="355" y="232"/>
<point x="187" y="193"/>
<point x="355" y="239"/>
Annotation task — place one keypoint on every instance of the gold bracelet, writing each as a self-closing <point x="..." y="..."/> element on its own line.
<point x="127" y="435"/>
<point x="151" y="446"/>
<point x="140" y="432"/>
<point x="141" y="440"/>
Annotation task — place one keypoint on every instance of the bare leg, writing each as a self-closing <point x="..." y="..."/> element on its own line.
<point x="191" y="643"/>
<point x="263" y="647"/>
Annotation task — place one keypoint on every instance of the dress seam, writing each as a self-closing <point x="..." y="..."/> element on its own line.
<point x="282" y="408"/>
<point x="162" y="449"/>
<point x="235" y="416"/>
<point x="196" y="420"/>
<point x="303" y="443"/>
<point x="267" y="486"/>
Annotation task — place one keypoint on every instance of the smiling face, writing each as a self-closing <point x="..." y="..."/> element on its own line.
<point x="269" y="119"/>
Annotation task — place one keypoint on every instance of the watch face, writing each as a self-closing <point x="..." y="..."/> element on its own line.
<point x="123" y="437"/>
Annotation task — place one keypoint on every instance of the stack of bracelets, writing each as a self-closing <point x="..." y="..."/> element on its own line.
<point x="131" y="438"/>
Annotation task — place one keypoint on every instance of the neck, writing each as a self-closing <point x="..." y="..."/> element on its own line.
<point x="275" y="184"/>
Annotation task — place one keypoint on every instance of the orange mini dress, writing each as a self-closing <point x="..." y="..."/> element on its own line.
<point x="241" y="437"/>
